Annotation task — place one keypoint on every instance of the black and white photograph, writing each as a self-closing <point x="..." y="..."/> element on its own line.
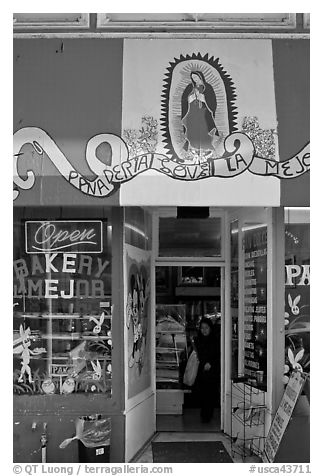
<point x="161" y="241"/>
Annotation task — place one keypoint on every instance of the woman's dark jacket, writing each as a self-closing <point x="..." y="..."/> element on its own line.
<point x="208" y="350"/>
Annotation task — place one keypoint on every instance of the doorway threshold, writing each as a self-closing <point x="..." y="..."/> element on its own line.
<point x="146" y="454"/>
<point x="189" y="421"/>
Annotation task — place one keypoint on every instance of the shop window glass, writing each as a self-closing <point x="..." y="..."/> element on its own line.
<point x="50" y="19"/>
<point x="194" y="238"/>
<point x="138" y="228"/>
<point x="61" y="303"/>
<point x="297" y="296"/>
<point x="218" y="19"/>
<point x="255" y="302"/>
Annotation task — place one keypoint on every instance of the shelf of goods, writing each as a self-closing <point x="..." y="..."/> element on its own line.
<point x="171" y="355"/>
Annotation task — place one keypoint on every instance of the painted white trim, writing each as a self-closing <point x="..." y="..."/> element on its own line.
<point x="287" y="21"/>
<point x="167" y="212"/>
<point x="225" y="322"/>
<point x="124" y="316"/>
<point x="82" y="21"/>
<point x="240" y="300"/>
<point x="189" y="262"/>
<point x="275" y="311"/>
<point x="155" y="235"/>
<point x="163" y="35"/>
<point x="153" y="334"/>
<point x="227" y="329"/>
<point x="270" y="311"/>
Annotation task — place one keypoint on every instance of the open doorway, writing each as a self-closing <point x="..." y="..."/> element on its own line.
<point x="185" y="295"/>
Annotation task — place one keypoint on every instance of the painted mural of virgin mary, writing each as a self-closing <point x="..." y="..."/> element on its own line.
<point x="198" y="105"/>
<point x="198" y="110"/>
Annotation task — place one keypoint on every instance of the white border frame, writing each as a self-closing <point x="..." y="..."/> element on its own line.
<point x="287" y="22"/>
<point x="82" y="21"/>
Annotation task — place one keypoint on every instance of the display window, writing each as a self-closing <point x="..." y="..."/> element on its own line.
<point x="62" y="308"/>
<point x="137" y="228"/>
<point x="249" y="297"/>
<point x="297" y="291"/>
<point x="255" y="302"/>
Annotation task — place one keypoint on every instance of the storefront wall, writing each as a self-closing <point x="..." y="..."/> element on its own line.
<point x="108" y="123"/>
<point x="141" y="137"/>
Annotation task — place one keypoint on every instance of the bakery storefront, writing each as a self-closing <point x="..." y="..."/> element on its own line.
<point x="156" y="182"/>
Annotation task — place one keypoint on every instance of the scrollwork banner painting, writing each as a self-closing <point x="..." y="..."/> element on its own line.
<point x="191" y="110"/>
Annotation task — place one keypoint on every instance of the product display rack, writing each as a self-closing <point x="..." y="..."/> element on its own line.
<point x="248" y="415"/>
<point x="171" y="346"/>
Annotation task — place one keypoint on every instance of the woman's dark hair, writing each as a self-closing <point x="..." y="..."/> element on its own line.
<point x="206" y="320"/>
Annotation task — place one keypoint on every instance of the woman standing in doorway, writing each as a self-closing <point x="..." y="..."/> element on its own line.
<point x="207" y="345"/>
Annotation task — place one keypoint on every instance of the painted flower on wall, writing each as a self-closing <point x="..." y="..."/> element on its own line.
<point x="262" y="139"/>
<point x="143" y="140"/>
